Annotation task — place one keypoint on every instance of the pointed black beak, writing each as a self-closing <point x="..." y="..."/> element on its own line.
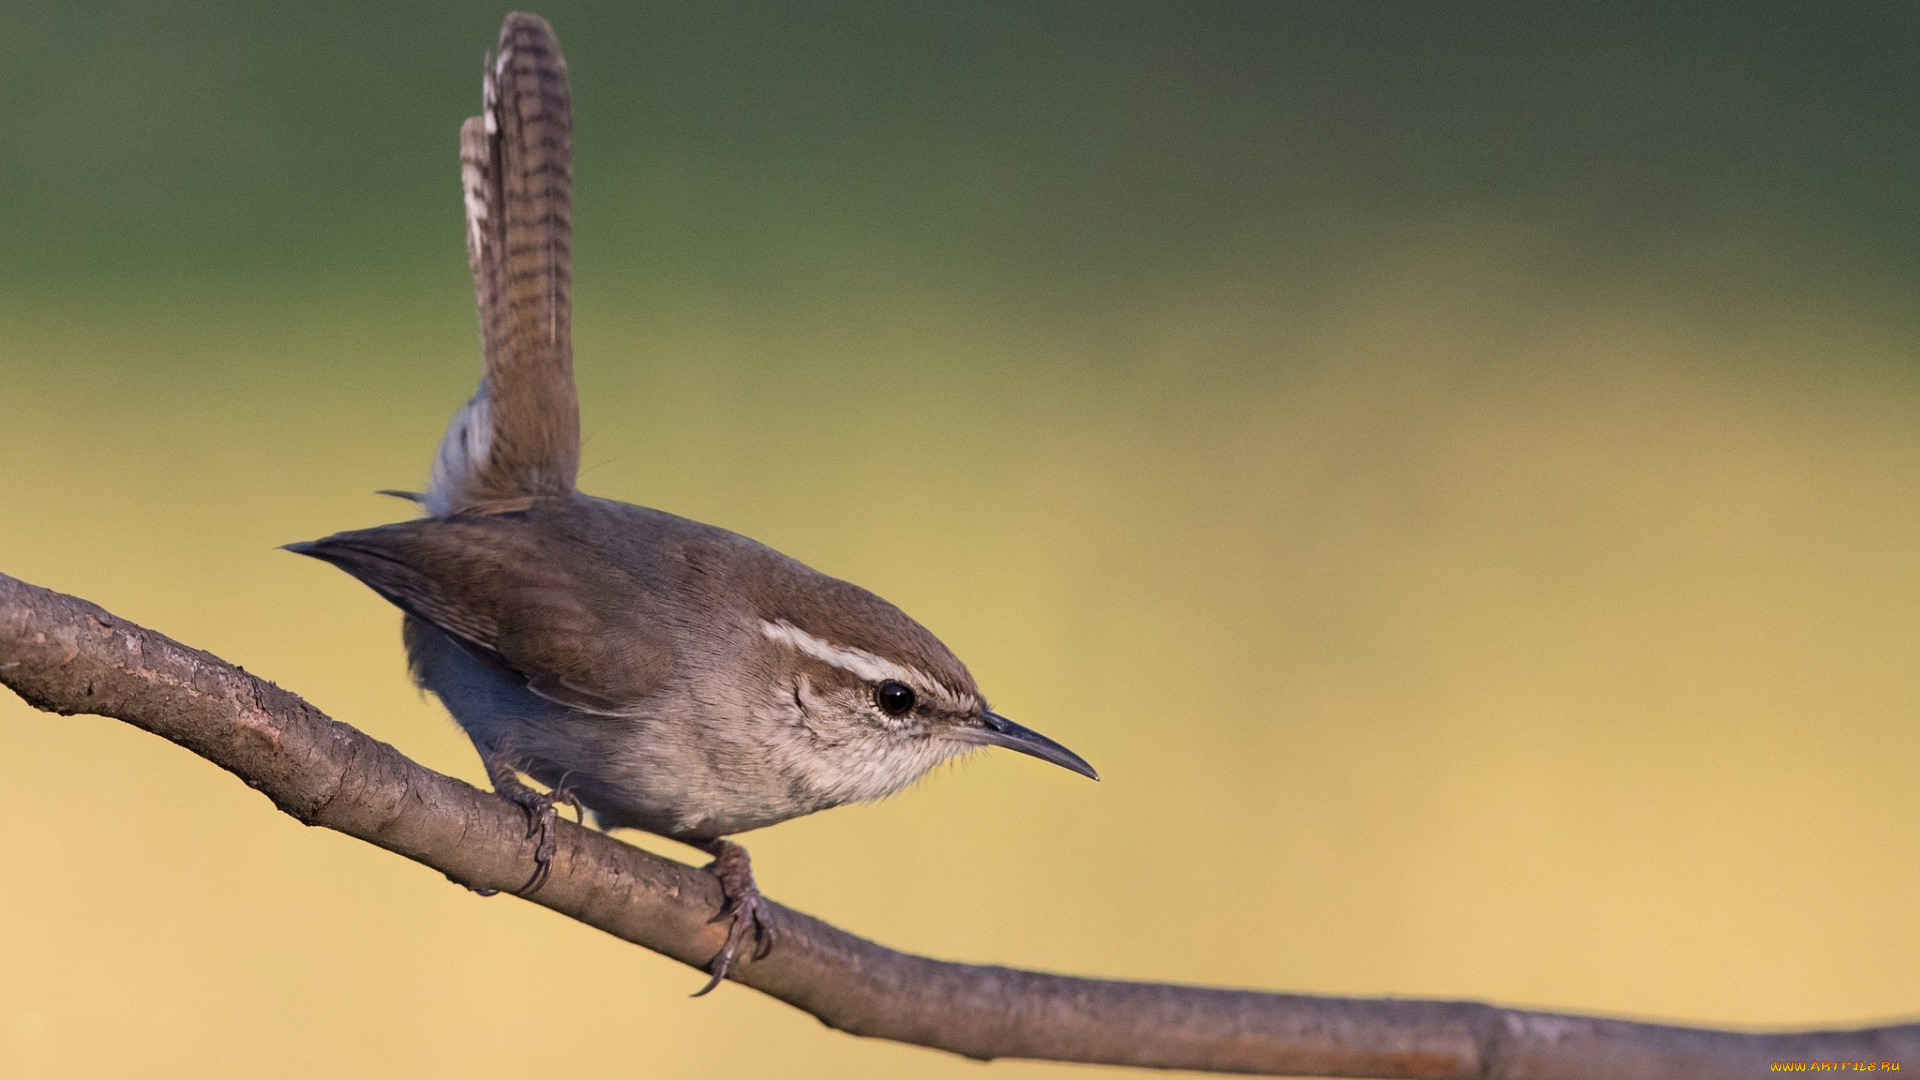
<point x="997" y="730"/>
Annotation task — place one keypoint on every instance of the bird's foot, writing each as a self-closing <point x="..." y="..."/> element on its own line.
<point x="542" y="821"/>
<point x="742" y="904"/>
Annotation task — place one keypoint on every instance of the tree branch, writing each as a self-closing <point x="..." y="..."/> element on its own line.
<point x="65" y="655"/>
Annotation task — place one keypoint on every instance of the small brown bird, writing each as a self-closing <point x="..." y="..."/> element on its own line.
<point x="666" y="675"/>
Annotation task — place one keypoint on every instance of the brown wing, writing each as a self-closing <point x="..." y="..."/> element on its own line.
<point x="520" y="435"/>
<point x="574" y="629"/>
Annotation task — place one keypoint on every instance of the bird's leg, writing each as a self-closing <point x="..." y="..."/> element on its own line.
<point x="542" y="822"/>
<point x="741" y="903"/>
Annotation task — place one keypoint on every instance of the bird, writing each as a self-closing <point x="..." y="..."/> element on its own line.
<point x="658" y="673"/>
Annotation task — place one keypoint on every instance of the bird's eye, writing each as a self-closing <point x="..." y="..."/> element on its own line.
<point x="894" y="698"/>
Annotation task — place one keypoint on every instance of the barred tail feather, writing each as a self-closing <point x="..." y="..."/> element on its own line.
<point x="520" y="433"/>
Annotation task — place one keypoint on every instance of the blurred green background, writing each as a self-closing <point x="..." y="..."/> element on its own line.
<point x="1455" y="469"/>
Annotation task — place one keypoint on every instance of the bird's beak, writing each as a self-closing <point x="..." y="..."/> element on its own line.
<point x="997" y="730"/>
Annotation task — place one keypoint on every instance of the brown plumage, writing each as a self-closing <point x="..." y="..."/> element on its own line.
<point x="587" y="601"/>
<point x="516" y="165"/>
<point x="664" y="674"/>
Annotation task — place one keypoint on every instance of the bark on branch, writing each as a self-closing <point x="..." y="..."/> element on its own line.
<point x="65" y="655"/>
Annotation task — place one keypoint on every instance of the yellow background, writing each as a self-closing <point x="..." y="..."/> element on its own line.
<point x="1455" y="472"/>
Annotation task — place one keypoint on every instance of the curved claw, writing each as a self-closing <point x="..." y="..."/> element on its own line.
<point x="542" y="821"/>
<point x="543" y="829"/>
<point x="566" y="797"/>
<point x="743" y="904"/>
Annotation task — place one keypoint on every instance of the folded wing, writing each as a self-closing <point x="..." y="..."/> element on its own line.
<point x="569" y="629"/>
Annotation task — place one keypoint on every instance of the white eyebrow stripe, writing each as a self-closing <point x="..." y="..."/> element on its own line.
<point x="858" y="662"/>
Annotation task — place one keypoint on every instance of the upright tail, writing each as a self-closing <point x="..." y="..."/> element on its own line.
<point x="520" y="433"/>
